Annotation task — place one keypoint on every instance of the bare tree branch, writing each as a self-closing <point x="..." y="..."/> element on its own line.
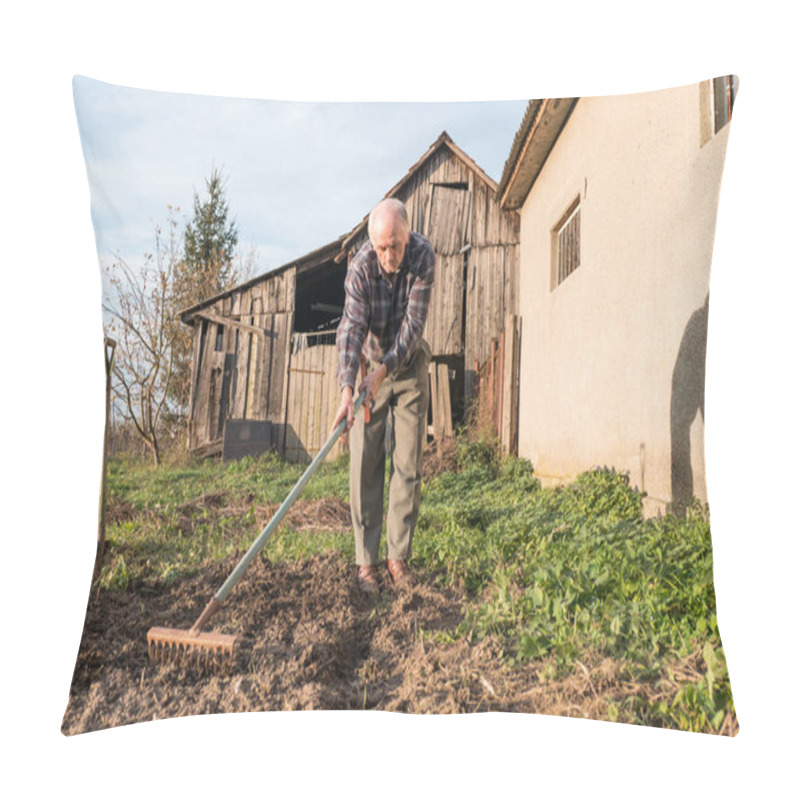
<point x="143" y="308"/>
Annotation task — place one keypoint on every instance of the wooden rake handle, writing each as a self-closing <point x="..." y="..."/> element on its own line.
<point x="270" y="527"/>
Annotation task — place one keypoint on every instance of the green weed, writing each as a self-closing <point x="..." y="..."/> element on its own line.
<point x="554" y="573"/>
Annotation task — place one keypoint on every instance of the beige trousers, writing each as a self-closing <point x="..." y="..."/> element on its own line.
<point x="404" y="396"/>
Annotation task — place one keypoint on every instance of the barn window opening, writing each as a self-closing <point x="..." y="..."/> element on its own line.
<point x="453" y="185"/>
<point x="319" y="298"/>
<point x="567" y="244"/>
<point x="219" y="341"/>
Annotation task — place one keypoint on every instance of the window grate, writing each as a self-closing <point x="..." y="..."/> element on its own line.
<point x="724" y="94"/>
<point x="569" y="245"/>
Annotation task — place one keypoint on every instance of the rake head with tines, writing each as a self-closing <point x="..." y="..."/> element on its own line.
<point x="192" y="647"/>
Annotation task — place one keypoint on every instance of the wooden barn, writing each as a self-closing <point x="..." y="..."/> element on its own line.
<point x="264" y="367"/>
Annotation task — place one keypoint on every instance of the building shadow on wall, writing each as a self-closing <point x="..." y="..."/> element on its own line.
<point x="688" y="397"/>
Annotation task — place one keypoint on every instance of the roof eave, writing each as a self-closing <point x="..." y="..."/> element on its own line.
<point x="541" y="126"/>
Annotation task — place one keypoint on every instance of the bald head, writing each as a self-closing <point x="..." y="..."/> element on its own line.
<point x="389" y="211"/>
<point x="389" y="229"/>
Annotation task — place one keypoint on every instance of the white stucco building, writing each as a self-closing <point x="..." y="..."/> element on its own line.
<point x="618" y="202"/>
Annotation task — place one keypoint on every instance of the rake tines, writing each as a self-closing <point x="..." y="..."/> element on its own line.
<point x="208" y="651"/>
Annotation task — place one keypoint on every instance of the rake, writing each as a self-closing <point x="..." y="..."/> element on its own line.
<point x="215" y="650"/>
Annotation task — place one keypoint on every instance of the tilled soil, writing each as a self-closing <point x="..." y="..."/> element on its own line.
<point x="307" y="638"/>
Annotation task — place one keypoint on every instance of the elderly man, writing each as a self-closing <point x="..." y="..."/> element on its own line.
<point x="387" y="292"/>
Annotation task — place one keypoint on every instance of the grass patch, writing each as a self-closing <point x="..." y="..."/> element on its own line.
<point x="163" y="523"/>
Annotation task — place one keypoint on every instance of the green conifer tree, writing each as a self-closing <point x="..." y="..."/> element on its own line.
<point x="207" y="268"/>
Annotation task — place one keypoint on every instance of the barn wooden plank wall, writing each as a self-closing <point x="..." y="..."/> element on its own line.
<point x="492" y="278"/>
<point x="240" y="373"/>
<point x="313" y="399"/>
<point x="443" y="328"/>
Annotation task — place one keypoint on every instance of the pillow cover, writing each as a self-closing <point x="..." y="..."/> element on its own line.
<point x="562" y="554"/>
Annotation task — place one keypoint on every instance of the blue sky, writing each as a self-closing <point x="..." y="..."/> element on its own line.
<point x="298" y="174"/>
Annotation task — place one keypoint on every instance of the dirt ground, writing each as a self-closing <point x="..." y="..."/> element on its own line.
<point x="307" y="639"/>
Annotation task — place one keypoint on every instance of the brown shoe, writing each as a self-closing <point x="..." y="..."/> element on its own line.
<point x="401" y="575"/>
<point x="368" y="579"/>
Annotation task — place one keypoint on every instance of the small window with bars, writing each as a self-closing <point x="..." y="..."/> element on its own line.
<point x="567" y="244"/>
<point x="724" y="94"/>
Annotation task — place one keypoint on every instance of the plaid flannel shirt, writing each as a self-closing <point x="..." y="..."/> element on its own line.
<point x="384" y="316"/>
